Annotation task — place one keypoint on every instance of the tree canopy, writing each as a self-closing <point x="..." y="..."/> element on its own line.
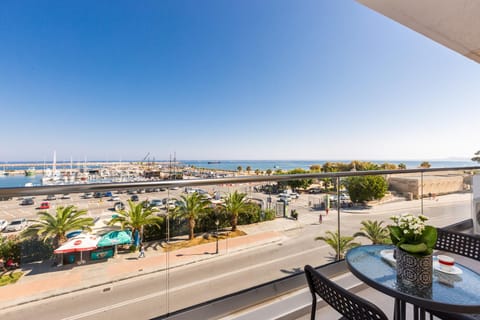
<point x="235" y="204"/>
<point x="192" y="207"/>
<point x="136" y="217"/>
<point x="366" y="188"/>
<point x="299" y="183"/>
<point x="55" y="226"/>
<point x="477" y="157"/>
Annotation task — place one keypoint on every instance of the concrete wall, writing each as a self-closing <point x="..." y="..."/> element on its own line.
<point x="438" y="184"/>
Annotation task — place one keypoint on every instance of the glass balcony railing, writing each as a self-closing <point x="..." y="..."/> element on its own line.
<point x="278" y="231"/>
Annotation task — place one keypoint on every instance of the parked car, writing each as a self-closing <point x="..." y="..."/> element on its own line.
<point x="3" y="224"/>
<point x="51" y="197"/>
<point x="294" y="195"/>
<point x="134" y="197"/>
<point x="88" y="195"/>
<point x="108" y="194"/>
<point x="119" y="206"/>
<point x="156" y="204"/>
<point x="115" y="198"/>
<point x="27" y="202"/>
<point x="315" y="190"/>
<point x="66" y="196"/>
<point x="98" y="195"/>
<point x="16" y="225"/>
<point x="189" y="190"/>
<point x="44" y="205"/>
<point x="344" y="197"/>
<point x="169" y="203"/>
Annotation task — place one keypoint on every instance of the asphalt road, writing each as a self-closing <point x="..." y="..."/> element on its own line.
<point x="144" y="297"/>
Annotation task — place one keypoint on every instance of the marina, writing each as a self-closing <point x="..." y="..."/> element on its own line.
<point x="40" y="174"/>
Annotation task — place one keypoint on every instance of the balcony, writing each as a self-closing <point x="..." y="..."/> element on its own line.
<point x="259" y="273"/>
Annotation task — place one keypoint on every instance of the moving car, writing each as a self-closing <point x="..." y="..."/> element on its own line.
<point x="44" y="205"/>
<point x="16" y="225"/>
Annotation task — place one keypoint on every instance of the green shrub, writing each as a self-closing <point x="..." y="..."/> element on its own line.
<point x="269" y="214"/>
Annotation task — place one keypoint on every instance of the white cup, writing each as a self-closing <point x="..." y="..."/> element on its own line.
<point x="446" y="263"/>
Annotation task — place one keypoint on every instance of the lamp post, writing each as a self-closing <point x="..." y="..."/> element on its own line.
<point x="217" y="223"/>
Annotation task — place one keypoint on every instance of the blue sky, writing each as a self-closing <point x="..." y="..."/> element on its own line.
<point x="270" y="79"/>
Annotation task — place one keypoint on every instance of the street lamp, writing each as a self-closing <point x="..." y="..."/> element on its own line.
<point x="217" y="223"/>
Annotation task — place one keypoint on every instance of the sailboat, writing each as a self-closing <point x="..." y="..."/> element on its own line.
<point x="51" y="176"/>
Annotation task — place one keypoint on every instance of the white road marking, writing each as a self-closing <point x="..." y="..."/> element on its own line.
<point x="156" y="294"/>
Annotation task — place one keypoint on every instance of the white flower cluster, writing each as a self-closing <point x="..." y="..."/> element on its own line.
<point x="409" y="224"/>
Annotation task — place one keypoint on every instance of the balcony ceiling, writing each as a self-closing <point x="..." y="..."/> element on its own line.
<point x="453" y="23"/>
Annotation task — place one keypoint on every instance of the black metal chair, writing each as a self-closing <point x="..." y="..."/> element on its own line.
<point x="351" y="306"/>
<point x="462" y="244"/>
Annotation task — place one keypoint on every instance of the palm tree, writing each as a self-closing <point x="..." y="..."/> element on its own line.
<point x="239" y="168"/>
<point x="235" y="204"/>
<point x="191" y="207"/>
<point x="257" y="171"/>
<point x="340" y="245"/>
<point x="425" y="164"/>
<point x="56" y="226"/>
<point x="248" y="169"/>
<point x="269" y="172"/>
<point x="135" y="218"/>
<point x="374" y="231"/>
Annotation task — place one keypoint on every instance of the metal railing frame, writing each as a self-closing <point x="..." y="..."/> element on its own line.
<point x="98" y="187"/>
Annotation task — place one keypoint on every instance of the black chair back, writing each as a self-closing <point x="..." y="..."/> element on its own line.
<point x="459" y="243"/>
<point x="462" y="244"/>
<point x="348" y="304"/>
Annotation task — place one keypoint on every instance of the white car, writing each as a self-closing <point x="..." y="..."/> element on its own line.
<point x="3" y="224"/>
<point x="16" y="225"/>
<point x="115" y="198"/>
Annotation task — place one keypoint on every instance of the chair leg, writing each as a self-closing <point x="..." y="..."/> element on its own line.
<point x="314" y="309"/>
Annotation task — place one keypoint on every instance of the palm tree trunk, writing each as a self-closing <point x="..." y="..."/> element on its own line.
<point x="192" y="228"/>
<point x="234" y="222"/>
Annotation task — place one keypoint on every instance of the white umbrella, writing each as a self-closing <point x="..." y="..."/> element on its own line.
<point x="79" y="243"/>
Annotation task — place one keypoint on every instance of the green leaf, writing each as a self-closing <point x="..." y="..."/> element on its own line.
<point x="429" y="236"/>
<point x="395" y="234"/>
<point x="414" y="248"/>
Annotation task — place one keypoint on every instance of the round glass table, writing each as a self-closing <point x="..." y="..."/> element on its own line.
<point x="455" y="293"/>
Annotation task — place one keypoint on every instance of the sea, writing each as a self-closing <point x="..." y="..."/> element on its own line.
<point x="232" y="165"/>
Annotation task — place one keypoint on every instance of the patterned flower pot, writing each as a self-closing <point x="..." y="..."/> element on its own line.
<point x="413" y="270"/>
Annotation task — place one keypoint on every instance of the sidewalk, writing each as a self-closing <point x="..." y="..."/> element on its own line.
<point x="42" y="281"/>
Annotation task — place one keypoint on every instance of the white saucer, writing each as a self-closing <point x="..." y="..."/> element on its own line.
<point x="388" y="255"/>
<point x="454" y="270"/>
